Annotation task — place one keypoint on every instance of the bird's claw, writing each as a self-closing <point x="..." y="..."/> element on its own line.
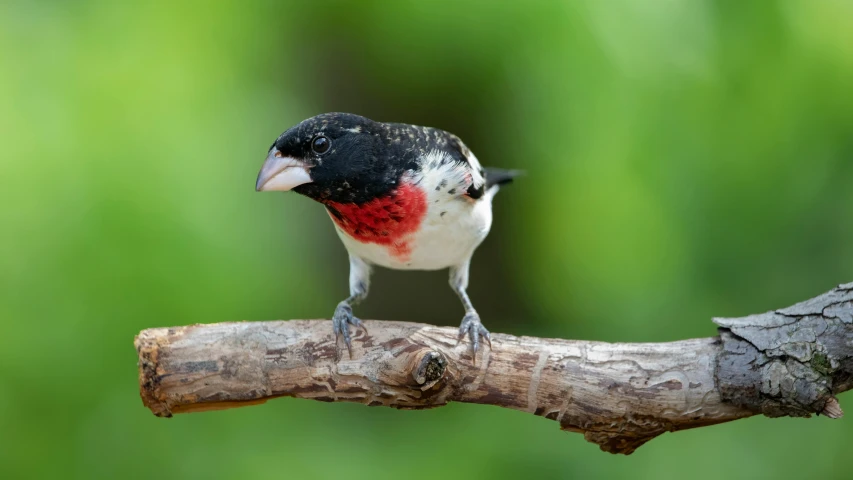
<point x="474" y="328"/>
<point x="341" y="321"/>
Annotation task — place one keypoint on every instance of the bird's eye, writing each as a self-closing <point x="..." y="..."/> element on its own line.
<point x="320" y="144"/>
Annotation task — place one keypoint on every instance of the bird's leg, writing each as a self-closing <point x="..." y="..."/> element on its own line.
<point x="471" y="321"/>
<point x="359" y="283"/>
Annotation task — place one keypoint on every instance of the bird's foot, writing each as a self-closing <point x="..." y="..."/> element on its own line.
<point x="474" y="328"/>
<point x="341" y="321"/>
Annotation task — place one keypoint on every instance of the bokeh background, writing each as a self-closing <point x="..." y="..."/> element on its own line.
<point x="685" y="159"/>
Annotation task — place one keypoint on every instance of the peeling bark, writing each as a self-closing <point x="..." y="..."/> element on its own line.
<point x="786" y="362"/>
<point x="789" y="362"/>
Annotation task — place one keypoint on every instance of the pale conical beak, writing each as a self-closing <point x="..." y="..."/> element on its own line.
<point x="281" y="173"/>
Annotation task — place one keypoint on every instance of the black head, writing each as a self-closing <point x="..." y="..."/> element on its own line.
<point x="337" y="157"/>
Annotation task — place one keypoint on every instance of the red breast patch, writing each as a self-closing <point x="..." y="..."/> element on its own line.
<point x="388" y="220"/>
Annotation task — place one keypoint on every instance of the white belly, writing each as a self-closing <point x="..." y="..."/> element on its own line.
<point x="442" y="241"/>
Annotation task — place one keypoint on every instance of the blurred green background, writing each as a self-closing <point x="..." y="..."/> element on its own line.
<point x="685" y="160"/>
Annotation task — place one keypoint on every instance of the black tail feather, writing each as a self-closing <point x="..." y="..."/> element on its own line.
<point x="499" y="176"/>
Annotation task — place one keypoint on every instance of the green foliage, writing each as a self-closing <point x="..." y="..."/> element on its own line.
<point x="684" y="160"/>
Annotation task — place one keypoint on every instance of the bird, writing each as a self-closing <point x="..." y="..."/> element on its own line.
<point x="400" y="196"/>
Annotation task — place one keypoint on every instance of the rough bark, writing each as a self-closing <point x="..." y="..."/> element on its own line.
<point x="786" y="362"/>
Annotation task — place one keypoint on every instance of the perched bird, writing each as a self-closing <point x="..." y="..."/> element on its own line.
<point x="400" y="196"/>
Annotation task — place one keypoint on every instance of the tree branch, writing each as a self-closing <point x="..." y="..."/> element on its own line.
<point x="620" y="395"/>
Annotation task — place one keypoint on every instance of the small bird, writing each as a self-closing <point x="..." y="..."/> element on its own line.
<point x="400" y="196"/>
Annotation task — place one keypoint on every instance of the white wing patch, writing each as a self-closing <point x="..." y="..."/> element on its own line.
<point x="440" y="172"/>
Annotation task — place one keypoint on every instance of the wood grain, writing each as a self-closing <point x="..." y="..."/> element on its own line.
<point x="619" y="395"/>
